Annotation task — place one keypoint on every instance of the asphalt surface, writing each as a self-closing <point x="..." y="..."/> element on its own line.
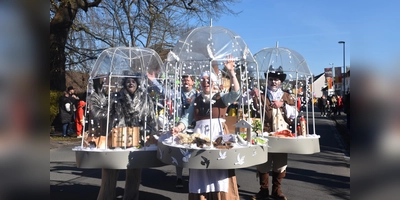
<point x="324" y="175"/>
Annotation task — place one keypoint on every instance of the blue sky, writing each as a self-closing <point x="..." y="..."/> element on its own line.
<point x="314" y="27"/>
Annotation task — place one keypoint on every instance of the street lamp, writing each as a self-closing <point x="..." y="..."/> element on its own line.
<point x="344" y="67"/>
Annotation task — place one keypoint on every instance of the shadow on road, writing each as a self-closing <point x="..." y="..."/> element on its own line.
<point x="328" y="181"/>
<point x="78" y="191"/>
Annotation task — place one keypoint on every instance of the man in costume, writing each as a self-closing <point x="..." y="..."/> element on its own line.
<point x="279" y="114"/>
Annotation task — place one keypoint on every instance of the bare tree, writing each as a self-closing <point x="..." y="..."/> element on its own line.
<point x="63" y="14"/>
<point x="146" y="23"/>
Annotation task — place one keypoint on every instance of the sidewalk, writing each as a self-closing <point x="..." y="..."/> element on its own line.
<point x="56" y="140"/>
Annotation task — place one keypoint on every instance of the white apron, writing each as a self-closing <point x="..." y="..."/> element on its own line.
<point x="210" y="180"/>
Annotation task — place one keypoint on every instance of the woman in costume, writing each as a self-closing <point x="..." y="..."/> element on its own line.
<point x="211" y="183"/>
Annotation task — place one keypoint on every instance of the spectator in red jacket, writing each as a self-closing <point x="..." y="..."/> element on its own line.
<point x="79" y="118"/>
<point x="340" y="104"/>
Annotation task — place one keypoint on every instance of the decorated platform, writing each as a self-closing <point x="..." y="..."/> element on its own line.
<point x="296" y="145"/>
<point x="212" y="158"/>
<point x="117" y="158"/>
<point x="231" y="155"/>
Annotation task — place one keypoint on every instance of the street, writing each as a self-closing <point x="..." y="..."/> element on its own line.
<point x="320" y="176"/>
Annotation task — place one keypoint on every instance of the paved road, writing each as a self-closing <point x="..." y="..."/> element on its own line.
<point x="321" y="176"/>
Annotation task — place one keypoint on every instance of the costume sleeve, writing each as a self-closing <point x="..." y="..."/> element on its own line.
<point x="291" y="111"/>
<point x="245" y="99"/>
<point x="159" y="88"/>
<point x="230" y="97"/>
<point x="98" y="105"/>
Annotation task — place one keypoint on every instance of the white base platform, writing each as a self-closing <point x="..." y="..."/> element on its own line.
<point x="213" y="158"/>
<point x="116" y="158"/>
<point x="296" y="145"/>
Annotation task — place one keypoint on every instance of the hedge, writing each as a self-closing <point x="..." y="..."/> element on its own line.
<point x="54" y="96"/>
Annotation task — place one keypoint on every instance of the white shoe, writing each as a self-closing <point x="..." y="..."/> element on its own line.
<point x="79" y="136"/>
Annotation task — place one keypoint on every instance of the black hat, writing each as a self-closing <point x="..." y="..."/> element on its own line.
<point x="70" y="88"/>
<point x="276" y="73"/>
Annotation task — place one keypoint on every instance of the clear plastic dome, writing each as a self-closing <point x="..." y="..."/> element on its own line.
<point x="291" y="62"/>
<point x="112" y="108"/>
<point x="195" y="49"/>
<point x="206" y="49"/>
<point x="298" y="80"/>
<point x="115" y="62"/>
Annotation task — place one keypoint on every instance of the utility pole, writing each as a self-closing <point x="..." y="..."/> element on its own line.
<point x="344" y="68"/>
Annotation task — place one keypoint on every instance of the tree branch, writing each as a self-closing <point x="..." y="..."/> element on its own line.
<point x="84" y="5"/>
<point x="189" y="5"/>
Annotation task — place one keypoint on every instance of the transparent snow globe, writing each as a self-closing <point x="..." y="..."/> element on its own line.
<point x="298" y="82"/>
<point x="121" y="110"/>
<point x="204" y="50"/>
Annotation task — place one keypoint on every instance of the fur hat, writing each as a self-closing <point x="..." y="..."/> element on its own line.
<point x="137" y="76"/>
<point x="276" y="73"/>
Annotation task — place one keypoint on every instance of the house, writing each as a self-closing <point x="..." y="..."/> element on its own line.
<point x="244" y="125"/>
<point x="319" y="85"/>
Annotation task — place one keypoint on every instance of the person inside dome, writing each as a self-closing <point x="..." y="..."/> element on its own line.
<point x="211" y="183"/>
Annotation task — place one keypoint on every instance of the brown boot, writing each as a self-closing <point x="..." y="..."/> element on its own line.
<point x="276" y="186"/>
<point x="264" y="184"/>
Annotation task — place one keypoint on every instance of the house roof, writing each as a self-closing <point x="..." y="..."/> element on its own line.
<point x="243" y="124"/>
<point x="317" y="76"/>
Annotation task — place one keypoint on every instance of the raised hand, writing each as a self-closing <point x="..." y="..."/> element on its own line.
<point x="230" y="63"/>
<point x="230" y="66"/>
<point x="175" y="130"/>
<point x="151" y="75"/>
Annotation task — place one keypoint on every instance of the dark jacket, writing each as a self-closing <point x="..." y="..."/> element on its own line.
<point x="322" y="102"/>
<point x="346" y="103"/>
<point x="65" y="115"/>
